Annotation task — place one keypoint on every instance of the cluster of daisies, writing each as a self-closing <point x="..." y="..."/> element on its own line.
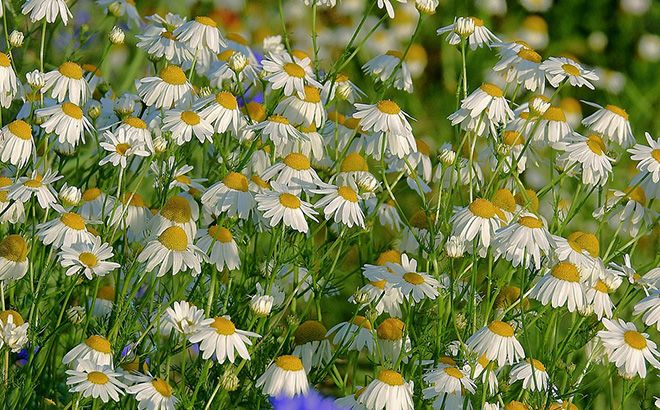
<point x="188" y="238"/>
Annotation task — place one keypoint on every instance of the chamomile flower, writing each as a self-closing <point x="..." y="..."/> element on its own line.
<point x="170" y="88"/>
<point x="201" y="33"/>
<point x="447" y="379"/>
<point x="285" y="376"/>
<point x="312" y="344"/>
<point x="561" y="286"/>
<point x="230" y="195"/>
<point x="153" y="393"/>
<point x="16" y="143"/>
<point x="390" y="126"/>
<point x="388" y="391"/>
<point x="67" y="82"/>
<point x="295" y="172"/>
<point x="14" y="261"/>
<point x="172" y="250"/>
<point x="13" y="330"/>
<point x="38" y="185"/>
<point x="627" y="348"/>
<point x="477" y="221"/>
<point x="341" y="204"/>
<point x="120" y="147"/>
<point x="68" y="228"/>
<point x="311" y="145"/>
<point x="591" y="154"/>
<point x="219" y="338"/>
<point x="648" y="157"/>
<point x="626" y="211"/>
<point x="88" y="258"/>
<point x="524" y="242"/>
<point x="179" y="210"/>
<point x="470" y="28"/>
<point x="223" y="113"/>
<point x="599" y="300"/>
<point x="391" y="341"/>
<point x="283" y="205"/>
<point x="482" y="109"/>
<point x="289" y="73"/>
<point x="414" y="285"/>
<point x="612" y="123"/>
<point x="184" y="318"/>
<point x="304" y="109"/>
<point x="66" y="121"/>
<point x="137" y="130"/>
<point x="581" y="249"/>
<point x="219" y="244"/>
<point x="523" y="67"/>
<point x="95" y="349"/>
<point x="532" y="373"/>
<point x="47" y="9"/>
<point x="343" y="88"/>
<point x="549" y="128"/>
<point x="558" y="69"/>
<point x="650" y="306"/>
<point x="390" y="65"/>
<point x="497" y="341"/>
<point x="356" y="335"/>
<point x="185" y="124"/>
<point x="279" y="130"/>
<point x="8" y="81"/>
<point x="159" y="41"/>
<point x="95" y="381"/>
<point x="132" y="215"/>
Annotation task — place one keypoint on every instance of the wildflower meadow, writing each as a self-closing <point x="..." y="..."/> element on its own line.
<point x="329" y="204"/>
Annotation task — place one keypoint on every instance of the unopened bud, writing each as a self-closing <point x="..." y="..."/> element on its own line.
<point x="35" y="79"/>
<point x="16" y="39"/>
<point x="75" y="314"/>
<point x="116" y="35"/>
<point x="261" y="305"/>
<point x="160" y="144"/>
<point x="229" y="380"/>
<point x="464" y="26"/>
<point x="70" y="195"/>
<point x="426" y="6"/>
<point x="237" y="62"/>
<point x="94" y="109"/>
<point x="116" y="9"/>
<point x="455" y="247"/>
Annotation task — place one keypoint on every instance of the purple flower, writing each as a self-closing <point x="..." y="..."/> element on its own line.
<point x="311" y="401"/>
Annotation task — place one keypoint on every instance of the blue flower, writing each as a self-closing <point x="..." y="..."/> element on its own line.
<point x="311" y="401"/>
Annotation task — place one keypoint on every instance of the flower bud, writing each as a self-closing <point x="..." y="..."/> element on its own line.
<point x="36" y="79"/>
<point x="116" y="9"/>
<point x="464" y="26"/>
<point x="361" y="297"/>
<point x="229" y="380"/>
<point x="75" y="314"/>
<point x="447" y="155"/>
<point x="261" y="305"/>
<point x="94" y="109"/>
<point x="116" y="35"/>
<point x="125" y="105"/>
<point x="16" y="39"/>
<point x="205" y="92"/>
<point x="426" y="6"/>
<point x="237" y="62"/>
<point x="160" y="144"/>
<point x="70" y="195"/>
<point x="455" y="247"/>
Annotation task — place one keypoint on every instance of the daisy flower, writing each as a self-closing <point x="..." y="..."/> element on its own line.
<point x="303" y="109"/>
<point x="8" y="81"/>
<point x="137" y="130"/>
<point x="14" y="261"/>
<point x="627" y="348"/>
<point x="591" y="153"/>
<point x="131" y="214"/>
<point x="95" y="349"/>
<point x="488" y="100"/>
<point x="183" y="317"/>
<point x="67" y="81"/>
<point x="581" y="249"/>
<point x="285" y="376"/>
<point x="560" y="286"/>
<point x="388" y="391"/>
<point x="289" y="73"/>
<point x="343" y="88"/>
<point x="598" y="299"/>
<point x="391" y="342"/>
<point x="171" y="251"/>
<point x="68" y="228"/>
<point x="218" y="337"/>
<point x="626" y="210"/>
<point x="383" y="68"/>
<point x="479" y="220"/>
<point x="523" y="67"/>
<point x="169" y="88"/>
<point x="532" y="373"/>
<point x="120" y="146"/>
<point x="295" y="172"/>
<point x="95" y="381"/>
<point x="342" y="204"/>
<point x="230" y="195"/>
<point x="179" y="210"/>
<point x="160" y="42"/>
<point x="202" y="32"/>
<point x="387" y="297"/>
<point x="223" y="113"/>
<point x="219" y="244"/>
<point x="650" y="306"/>
<point x="612" y="123"/>
<point x="282" y="205"/>
<point x="447" y="379"/>
<point x="350" y="402"/>
<point x="38" y="185"/>
<point x="649" y="166"/>
<point x="523" y="242"/>
<point x="47" y="9"/>
<point x="312" y="344"/>
<point x="66" y="121"/>
<point x="88" y="258"/>
<point x="412" y="284"/>
<point x="470" y="28"/>
<point x="13" y="330"/>
<point x="390" y="126"/>
<point x="183" y="125"/>
<point x="355" y="335"/>
<point x="558" y="69"/>
<point x="16" y="143"/>
<point x="153" y="393"/>
<point x="551" y="127"/>
<point x="279" y="130"/>
<point x="104" y="302"/>
<point x="310" y="145"/>
<point x="497" y="341"/>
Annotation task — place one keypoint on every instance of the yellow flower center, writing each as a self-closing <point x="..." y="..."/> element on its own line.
<point x="173" y="75"/>
<point x="106" y="293"/>
<point x="135" y="122"/>
<point x="516" y="405"/>
<point x="88" y="259"/>
<point x="537" y="365"/>
<point x="20" y="129"/>
<point x="504" y="200"/>
<point x="570" y="69"/>
<point x="260" y="182"/>
<point x="507" y="295"/>
<point x="278" y="119"/>
<point x="289" y="363"/>
<point x="4" y="60"/>
<point x="133" y="199"/>
<point x="390" y="377"/>
<point x="362" y="322"/>
<point x="413" y="278"/>
<point x="72" y="110"/>
<point x="16" y="317"/>
<point x="98" y="343"/>
<point x="223" y="326"/>
<point x="73" y="221"/>
<point x="492" y="90"/>
<point x="482" y="208"/>
<point x="162" y="387"/>
<point x="312" y="94"/>
<point x="454" y="372"/>
<point x="601" y="287"/>
<point x="581" y="241"/>
<point x="530" y="55"/>
<point x="297" y="161"/>
<point x="391" y="256"/>
<point x="299" y="54"/>
<point x="35" y="182"/>
<point x="656" y="154"/>
<point x="477" y="21"/>
<point x="529" y="198"/>
<point x="617" y="110"/>
<point x="236" y="181"/>
<point x="220" y="234"/>
<point x="566" y="271"/>
<point x="347" y="193"/>
<point x="237" y="38"/>
<point x="596" y="144"/>
<point x="14" y="248"/>
<point x="395" y="53"/>
<point x="638" y="195"/>
<point x="390" y="329"/>
<point x="190" y="118"/>
<point x="207" y="21"/>
<point x="256" y="111"/>
<point x="226" y="55"/>
<point x="174" y="238"/>
<point x="92" y="69"/>
<point x="294" y="70"/>
<point x="177" y="209"/>
<point x="168" y="35"/>
<point x="354" y="162"/>
<point x="71" y="70"/>
<point x="97" y="377"/>
<point x="501" y="328"/>
<point x="309" y="331"/>
<point x="122" y="148"/>
<point x="513" y="138"/>
<point x="388" y="107"/>
<point x="227" y="100"/>
<point x="554" y="114"/>
<point x="184" y="179"/>
<point x="635" y="339"/>
<point x="289" y="201"/>
<point x="530" y="222"/>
